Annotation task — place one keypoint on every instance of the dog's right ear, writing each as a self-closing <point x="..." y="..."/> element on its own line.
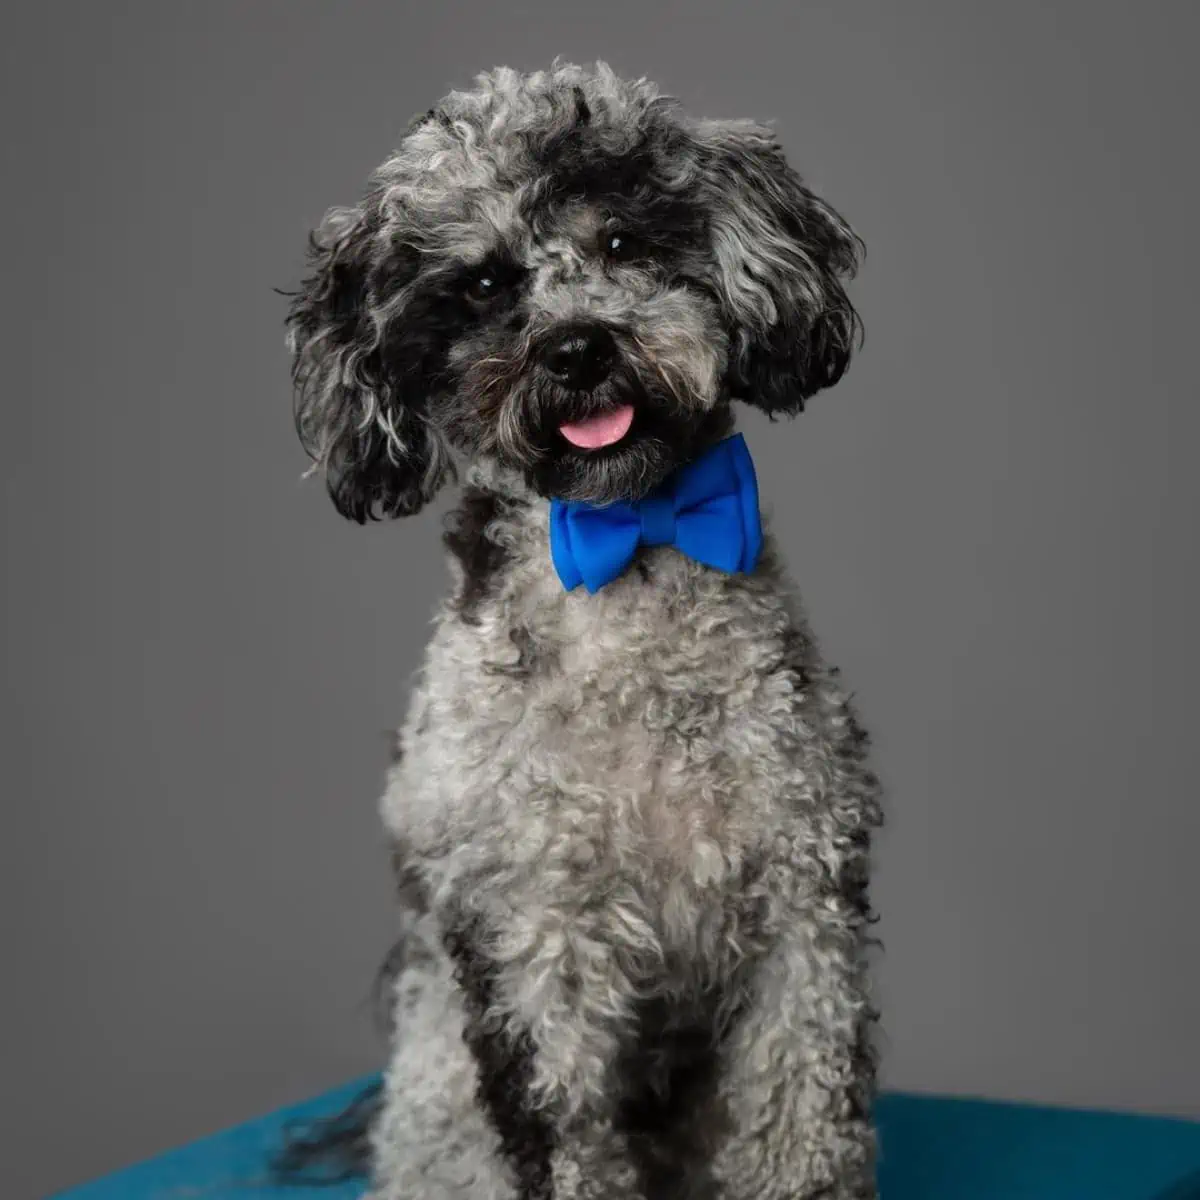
<point x="781" y="258"/>
<point x="361" y="415"/>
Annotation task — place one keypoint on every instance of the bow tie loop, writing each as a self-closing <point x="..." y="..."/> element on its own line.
<point x="708" y="511"/>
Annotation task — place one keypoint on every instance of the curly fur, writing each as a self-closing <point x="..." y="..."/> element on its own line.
<point x="632" y="829"/>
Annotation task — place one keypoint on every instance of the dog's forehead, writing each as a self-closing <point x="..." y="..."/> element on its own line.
<point x="471" y="203"/>
<point x="537" y="178"/>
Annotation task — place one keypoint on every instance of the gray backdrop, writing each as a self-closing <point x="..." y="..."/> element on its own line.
<point x="992" y="519"/>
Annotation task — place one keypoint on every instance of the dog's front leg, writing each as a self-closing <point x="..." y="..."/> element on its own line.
<point x="798" y="1074"/>
<point x="546" y="1017"/>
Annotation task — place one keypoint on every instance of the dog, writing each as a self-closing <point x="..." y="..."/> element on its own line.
<point x="631" y="806"/>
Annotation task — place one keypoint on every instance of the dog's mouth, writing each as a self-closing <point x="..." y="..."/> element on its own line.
<point x="609" y="444"/>
<point x="600" y="431"/>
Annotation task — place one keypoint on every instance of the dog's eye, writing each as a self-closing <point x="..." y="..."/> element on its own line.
<point x="620" y="246"/>
<point x="483" y="287"/>
<point x="491" y="280"/>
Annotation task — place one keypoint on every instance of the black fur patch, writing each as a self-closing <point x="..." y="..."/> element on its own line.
<point x="670" y="1075"/>
<point x="480" y="556"/>
<point x="583" y="114"/>
<point x="505" y="1061"/>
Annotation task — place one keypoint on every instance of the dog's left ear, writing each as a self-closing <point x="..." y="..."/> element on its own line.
<point x="360" y="391"/>
<point x="781" y="255"/>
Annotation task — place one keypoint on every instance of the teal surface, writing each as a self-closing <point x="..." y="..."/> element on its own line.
<point x="931" y="1148"/>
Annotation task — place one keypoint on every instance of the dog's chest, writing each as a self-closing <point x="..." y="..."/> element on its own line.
<point x="612" y="737"/>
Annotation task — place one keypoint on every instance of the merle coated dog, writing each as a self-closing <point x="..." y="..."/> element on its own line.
<point x="631" y="819"/>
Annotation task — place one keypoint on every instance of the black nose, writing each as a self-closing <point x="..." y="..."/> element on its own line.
<point x="580" y="356"/>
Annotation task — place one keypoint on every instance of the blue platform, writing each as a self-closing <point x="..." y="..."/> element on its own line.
<point x="931" y="1148"/>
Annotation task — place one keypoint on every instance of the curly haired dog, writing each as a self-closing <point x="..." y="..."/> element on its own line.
<point x="631" y="821"/>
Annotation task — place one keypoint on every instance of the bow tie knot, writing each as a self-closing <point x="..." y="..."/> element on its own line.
<point x="708" y="510"/>
<point x="657" y="521"/>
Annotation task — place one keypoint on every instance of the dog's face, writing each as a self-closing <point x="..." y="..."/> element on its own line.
<point x="562" y="272"/>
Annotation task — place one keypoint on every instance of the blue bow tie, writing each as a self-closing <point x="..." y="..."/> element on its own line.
<point x="708" y="510"/>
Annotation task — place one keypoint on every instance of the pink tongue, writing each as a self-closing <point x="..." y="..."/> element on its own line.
<point x="602" y="430"/>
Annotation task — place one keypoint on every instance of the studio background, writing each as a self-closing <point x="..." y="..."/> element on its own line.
<point x="992" y="520"/>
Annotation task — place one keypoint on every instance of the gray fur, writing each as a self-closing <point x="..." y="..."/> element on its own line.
<point x="634" y="820"/>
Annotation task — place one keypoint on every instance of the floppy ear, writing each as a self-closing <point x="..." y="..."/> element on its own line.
<point x="781" y="257"/>
<point x="360" y="400"/>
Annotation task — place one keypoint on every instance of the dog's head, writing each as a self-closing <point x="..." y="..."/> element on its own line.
<point x="563" y="272"/>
